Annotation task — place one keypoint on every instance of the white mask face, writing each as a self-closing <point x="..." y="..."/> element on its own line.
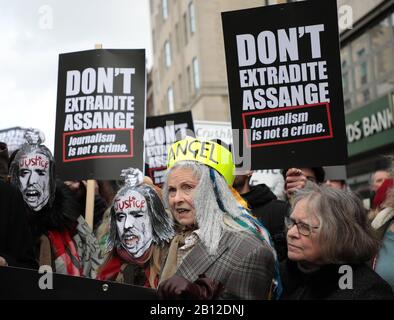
<point x="133" y="223"/>
<point x="34" y="180"/>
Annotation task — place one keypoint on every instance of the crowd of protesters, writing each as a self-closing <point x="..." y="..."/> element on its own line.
<point x="207" y="234"/>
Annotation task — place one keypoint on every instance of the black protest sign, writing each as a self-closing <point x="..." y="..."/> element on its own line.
<point x="18" y="283"/>
<point x="284" y="79"/>
<point x="100" y="113"/>
<point x="161" y="132"/>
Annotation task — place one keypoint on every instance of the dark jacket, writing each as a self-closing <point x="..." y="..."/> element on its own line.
<point x="16" y="244"/>
<point x="324" y="284"/>
<point x="61" y="215"/>
<point x="58" y="229"/>
<point x="3" y="161"/>
<point x="271" y="212"/>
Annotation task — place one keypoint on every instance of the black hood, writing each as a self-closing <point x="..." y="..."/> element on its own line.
<point x="259" y="195"/>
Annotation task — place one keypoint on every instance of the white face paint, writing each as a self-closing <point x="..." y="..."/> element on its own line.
<point x="34" y="179"/>
<point x="133" y="223"/>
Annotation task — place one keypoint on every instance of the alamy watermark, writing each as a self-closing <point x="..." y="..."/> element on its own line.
<point x="45" y="19"/>
<point x="345" y="17"/>
<point x="46" y="280"/>
<point x="345" y="281"/>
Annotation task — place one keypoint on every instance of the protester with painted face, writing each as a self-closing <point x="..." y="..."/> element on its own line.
<point x="32" y="170"/>
<point x="140" y="229"/>
<point x="34" y="179"/>
<point x="63" y="239"/>
<point x="220" y="251"/>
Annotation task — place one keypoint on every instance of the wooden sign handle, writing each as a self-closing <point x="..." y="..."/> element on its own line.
<point x="90" y="186"/>
<point x="89" y="209"/>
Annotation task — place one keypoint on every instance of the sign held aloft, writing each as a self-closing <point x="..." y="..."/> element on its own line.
<point x="161" y="132"/>
<point x="100" y="113"/>
<point x="284" y="80"/>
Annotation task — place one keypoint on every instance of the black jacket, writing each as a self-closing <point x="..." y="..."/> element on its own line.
<point x="61" y="215"/>
<point x="324" y="284"/>
<point x="16" y="244"/>
<point x="271" y="212"/>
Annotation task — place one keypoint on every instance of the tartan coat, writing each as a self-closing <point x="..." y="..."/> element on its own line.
<point x="243" y="264"/>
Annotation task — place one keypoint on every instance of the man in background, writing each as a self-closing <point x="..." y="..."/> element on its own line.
<point x="378" y="178"/>
<point x="336" y="177"/>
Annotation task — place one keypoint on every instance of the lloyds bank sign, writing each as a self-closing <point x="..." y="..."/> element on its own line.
<point x="371" y="126"/>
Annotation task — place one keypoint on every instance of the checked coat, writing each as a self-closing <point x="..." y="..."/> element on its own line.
<point x="243" y="264"/>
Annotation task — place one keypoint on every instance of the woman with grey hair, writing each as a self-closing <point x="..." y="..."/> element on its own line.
<point x="218" y="253"/>
<point x="329" y="242"/>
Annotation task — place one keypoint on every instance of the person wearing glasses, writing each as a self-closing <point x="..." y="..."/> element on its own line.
<point x="329" y="243"/>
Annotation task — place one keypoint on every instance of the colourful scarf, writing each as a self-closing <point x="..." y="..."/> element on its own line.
<point x="67" y="260"/>
<point x="76" y="252"/>
<point x="119" y="259"/>
<point x="247" y="221"/>
<point x="110" y="269"/>
<point x="250" y="223"/>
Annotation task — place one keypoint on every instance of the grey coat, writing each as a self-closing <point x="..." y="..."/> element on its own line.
<point x="243" y="264"/>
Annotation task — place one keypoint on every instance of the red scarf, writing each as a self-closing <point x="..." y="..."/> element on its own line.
<point x="111" y="268"/>
<point x="381" y="193"/>
<point x="64" y="248"/>
<point x="128" y="258"/>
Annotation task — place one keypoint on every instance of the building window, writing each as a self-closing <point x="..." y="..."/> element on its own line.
<point x="363" y="68"/>
<point x="185" y="28"/>
<point x="153" y="40"/>
<point x="189" y="81"/>
<point x="196" y="75"/>
<point x="192" y="18"/>
<point x="170" y="99"/>
<point x="181" y="91"/>
<point x="345" y="82"/>
<point x="367" y="64"/>
<point x="157" y="82"/>
<point x="177" y="37"/>
<point x="167" y="53"/>
<point x="164" y="6"/>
